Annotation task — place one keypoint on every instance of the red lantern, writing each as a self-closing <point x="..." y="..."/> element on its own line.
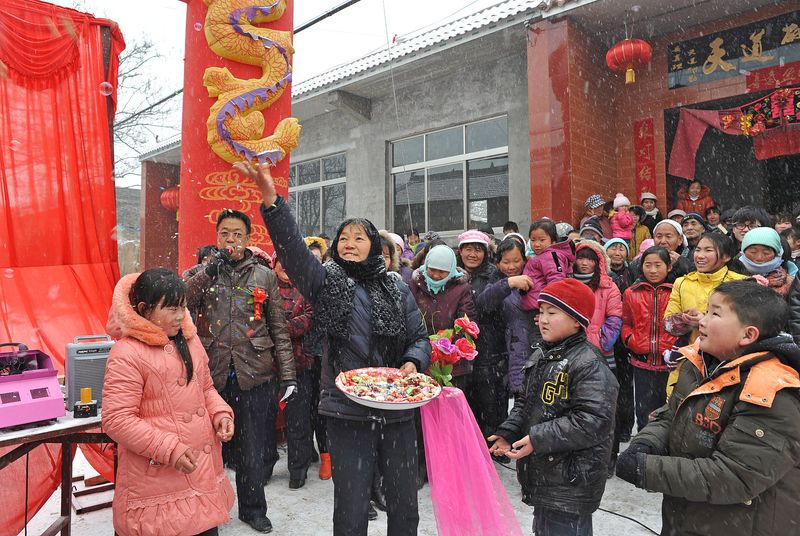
<point x="626" y="55"/>
<point x="170" y="198"/>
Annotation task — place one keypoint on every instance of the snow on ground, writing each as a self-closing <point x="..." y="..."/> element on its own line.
<point x="309" y="510"/>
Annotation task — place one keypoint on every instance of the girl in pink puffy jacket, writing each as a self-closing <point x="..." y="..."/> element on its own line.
<point x="552" y="261"/>
<point x="160" y="406"/>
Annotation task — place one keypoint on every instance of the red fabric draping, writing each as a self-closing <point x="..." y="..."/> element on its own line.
<point x="693" y="124"/>
<point x="58" y="251"/>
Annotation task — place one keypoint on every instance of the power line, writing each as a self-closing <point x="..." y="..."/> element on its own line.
<point x="144" y="110"/>
<point x="325" y="15"/>
<point x="297" y="30"/>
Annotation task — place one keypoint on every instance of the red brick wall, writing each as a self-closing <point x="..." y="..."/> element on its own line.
<point x="581" y="114"/>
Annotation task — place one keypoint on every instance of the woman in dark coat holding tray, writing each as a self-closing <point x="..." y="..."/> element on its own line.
<point x="369" y="319"/>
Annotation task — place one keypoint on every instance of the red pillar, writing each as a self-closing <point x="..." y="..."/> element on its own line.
<point x="254" y="59"/>
<point x="548" y="119"/>
<point x="572" y="109"/>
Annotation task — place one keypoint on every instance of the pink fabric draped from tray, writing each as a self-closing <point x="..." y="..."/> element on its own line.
<point x="468" y="497"/>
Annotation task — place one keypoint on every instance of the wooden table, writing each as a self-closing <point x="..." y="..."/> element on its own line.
<point x="66" y="430"/>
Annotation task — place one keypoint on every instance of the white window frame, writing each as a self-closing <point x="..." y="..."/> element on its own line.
<point x="319" y="185"/>
<point x="425" y="165"/>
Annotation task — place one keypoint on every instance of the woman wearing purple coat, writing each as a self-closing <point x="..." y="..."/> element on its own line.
<point x="505" y="297"/>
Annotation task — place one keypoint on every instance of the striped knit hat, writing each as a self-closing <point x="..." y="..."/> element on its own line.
<point x="571" y="296"/>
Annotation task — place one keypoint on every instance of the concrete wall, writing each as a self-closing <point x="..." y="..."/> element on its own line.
<point x="464" y="83"/>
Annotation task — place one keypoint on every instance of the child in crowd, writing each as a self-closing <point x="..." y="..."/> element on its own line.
<point x="161" y="408"/>
<point x="560" y="428"/>
<point x="591" y="230"/>
<point x="505" y="296"/>
<point x="651" y="213"/>
<point x="792" y="236"/>
<point x="621" y="219"/>
<point x="724" y="451"/>
<point x="643" y="306"/>
<point x="297" y="412"/>
<point x="783" y="220"/>
<point x="553" y="260"/>
<point x="313" y="341"/>
<point x="317" y="246"/>
<point x="413" y="240"/>
<point x="677" y="215"/>
<point x="617" y="252"/>
<point x="714" y="220"/>
<point x="591" y="269"/>
<point x="640" y="231"/>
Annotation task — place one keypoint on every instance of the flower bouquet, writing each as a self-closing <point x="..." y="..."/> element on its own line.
<point x="451" y="345"/>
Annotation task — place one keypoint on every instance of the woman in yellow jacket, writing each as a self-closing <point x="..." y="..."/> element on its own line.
<point x="688" y="301"/>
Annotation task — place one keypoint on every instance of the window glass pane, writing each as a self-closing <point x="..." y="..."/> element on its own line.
<point x="308" y="212"/>
<point x="487" y="187"/>
<point x="334" y="167"/>
<point x="448" y="142"/>
<point x="409" y="201"/>
<point x="308" y="172"/>
<point x="292" y="200"/>
<point x="333" y="205"/>
<point x="293" y="176"/>
<point x="408" y="151"/>
<point x="487" y="134"/>
<point x="446" y="198"/>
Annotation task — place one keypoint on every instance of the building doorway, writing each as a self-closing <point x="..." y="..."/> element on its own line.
<point x="727" y="164"/>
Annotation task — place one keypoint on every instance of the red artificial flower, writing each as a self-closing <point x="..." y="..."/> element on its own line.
<point x="465" y="349"/>
<point x="471" y="328"/>
<point x="436" y="355"/>
<point x="451" y="359"/>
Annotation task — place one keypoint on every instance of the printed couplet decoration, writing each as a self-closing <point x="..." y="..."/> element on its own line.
<point x="644" y="148"/>
<point x="236" y="106"/>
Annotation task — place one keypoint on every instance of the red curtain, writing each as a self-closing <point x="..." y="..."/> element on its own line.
<point x="778" y="124"/>
<point x="58" y="251"/>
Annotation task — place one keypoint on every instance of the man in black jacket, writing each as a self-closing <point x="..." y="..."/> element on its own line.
<point x="560" y="431"/>
<point x="240" y="319"/>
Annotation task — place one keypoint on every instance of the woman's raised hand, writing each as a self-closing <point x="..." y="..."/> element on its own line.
<point x="262" y="176"/>
<point x="521" y="282"/>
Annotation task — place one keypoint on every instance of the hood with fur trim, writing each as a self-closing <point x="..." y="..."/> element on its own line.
<point x="605" y="262"/>
<point x="316" y="241"/>
<point x="124" y="321"/>
<point x="394" y="263"/>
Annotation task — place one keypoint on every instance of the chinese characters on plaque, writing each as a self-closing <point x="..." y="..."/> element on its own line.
<point x="769" y="43"/>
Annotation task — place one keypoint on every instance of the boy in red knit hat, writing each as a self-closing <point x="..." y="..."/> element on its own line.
<point x="561" y="428"/>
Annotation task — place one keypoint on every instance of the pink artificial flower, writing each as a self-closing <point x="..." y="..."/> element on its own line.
<point x="465" y="349"/>
<point x="471" y="328"/>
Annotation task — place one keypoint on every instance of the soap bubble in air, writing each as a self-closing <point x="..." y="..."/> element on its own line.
<point x="106" y="89"/>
